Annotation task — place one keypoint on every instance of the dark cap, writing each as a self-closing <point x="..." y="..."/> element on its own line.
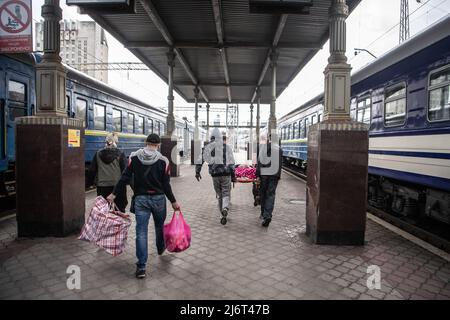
<point x="153" y="138"/>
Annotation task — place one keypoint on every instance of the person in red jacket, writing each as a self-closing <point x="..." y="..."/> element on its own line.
<point x="150" y="171"/>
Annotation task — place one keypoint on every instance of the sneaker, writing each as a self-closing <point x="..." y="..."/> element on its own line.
<point x="225" y="212"/>
<point x="266" y="222"/>
<point x="223" y="221"/>
<point x="140" y="273"/>
<point x="160" y="252"/>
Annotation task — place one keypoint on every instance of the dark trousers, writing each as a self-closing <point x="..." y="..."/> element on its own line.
<point x="120" y="200"/>
<point x="267" y="193"/>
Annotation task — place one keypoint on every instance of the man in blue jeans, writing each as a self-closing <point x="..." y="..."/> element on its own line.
<point x="150" y="171"/>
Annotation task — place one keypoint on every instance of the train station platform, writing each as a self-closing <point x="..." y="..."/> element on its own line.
<point x="241" y="260"/>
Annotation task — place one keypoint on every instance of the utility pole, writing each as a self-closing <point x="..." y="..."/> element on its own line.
<point x="404" y="20"/>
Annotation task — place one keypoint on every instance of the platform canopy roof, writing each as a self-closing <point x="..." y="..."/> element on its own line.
<point x="220" y="45"/>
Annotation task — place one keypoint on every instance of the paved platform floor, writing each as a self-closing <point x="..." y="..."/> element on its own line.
<point x="241" y="260"/>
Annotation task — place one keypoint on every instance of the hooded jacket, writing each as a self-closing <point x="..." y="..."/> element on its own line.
<point x="218" y="156"/>
<point x="268" y="165"/>
<point x="106" y="167"/>
<point x="150" y="172"/>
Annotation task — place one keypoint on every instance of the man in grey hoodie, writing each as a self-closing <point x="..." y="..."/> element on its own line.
<point x="150" y="171"/>
<point x="220" y="159"/>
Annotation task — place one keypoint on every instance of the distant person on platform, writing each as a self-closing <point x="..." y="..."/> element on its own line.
<point x="219" y="157"/>
<point x="150" y="171"/>
<point x="106" y="169"/>
<point x="268" y="171"/>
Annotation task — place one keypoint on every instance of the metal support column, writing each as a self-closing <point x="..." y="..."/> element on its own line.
<point x="196" y="147"/>
<point x="273" y="100"/>
<point x="169" y="142"/>
<point x="258" y="118"/>
<point x="196" y="131"/>
<point x="207" y="122"/>
<point x="250" y="144"/>
<point x="170" y="116"/>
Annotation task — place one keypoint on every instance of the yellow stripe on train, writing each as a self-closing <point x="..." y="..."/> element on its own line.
<point x="294" y="141"/>
<point x="99" y="133"/>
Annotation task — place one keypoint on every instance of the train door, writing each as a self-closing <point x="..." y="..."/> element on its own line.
<point x="16" y="105"/>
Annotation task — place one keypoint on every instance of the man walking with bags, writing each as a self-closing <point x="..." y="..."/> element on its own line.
<point x="268" y="171"/>
<point x="219" y="157"/>
<point x="150" y="171"/>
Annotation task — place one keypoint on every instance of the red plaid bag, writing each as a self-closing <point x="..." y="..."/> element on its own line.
<point x="106" y="227"/>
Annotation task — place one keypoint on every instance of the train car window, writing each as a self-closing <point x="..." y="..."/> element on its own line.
<point x="80" y="110"/>
<point x="289" y="134"/>
<point x="117" y="120"/>
<point x="314" y="119"/>
<point x="300" y="129"/>
<point x="149" y="126"/>
<point x="163" y="128"/>
<point x="17" y="91"/>
<point x="319" y="118"/>
<point x="363" y="110"/>
<point x="130" y="124"/>
<point x="69" y="113"/>
<point x="295" y="130"/>
<point x="156" y="127"/>
<point x="307" y="124"/>
<point x="353" y="109"/>
<point x="18" y="99"/>
<point x="99" y="117"/>
<point x="439" y="96"/>
<point x="395" y="105"/>
<point x="140" y="125"/>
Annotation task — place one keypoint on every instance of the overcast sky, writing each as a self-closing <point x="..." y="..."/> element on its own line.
<point x="367" y="27"/>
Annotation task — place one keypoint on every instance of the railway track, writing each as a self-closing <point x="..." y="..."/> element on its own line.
<point x="429" y="234"/>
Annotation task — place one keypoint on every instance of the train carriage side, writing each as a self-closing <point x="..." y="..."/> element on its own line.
<point x="17" y="99"/>
<point x="405" y="98"/>
<point x="409" y="145"/>
<point x="293" y="132"/>
<point x="106" y="110"/>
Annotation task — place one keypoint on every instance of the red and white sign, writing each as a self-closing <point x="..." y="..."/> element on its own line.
<point x="15" y="26"/>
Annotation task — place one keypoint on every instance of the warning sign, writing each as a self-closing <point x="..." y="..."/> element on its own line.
<point x="15" y="26"/>
<point x="74" y="138"/>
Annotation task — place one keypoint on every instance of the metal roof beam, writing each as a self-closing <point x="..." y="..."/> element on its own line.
<point x="232" y="84"/>
<point x="159" y="24"/>
<point x="217" y="11"/>
<point x="215" y="46"/>
<point x="276" y="39"/>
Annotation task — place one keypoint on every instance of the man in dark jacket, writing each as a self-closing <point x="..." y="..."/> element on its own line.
<point x="268" y="170"/>
<point x="105" y="171"/>
<point x="220" y="159"/>
<point x="151" y="177"/>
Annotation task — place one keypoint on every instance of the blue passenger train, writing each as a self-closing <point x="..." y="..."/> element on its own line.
<point x="404" y="97"/>
<point x="103" y="109"/>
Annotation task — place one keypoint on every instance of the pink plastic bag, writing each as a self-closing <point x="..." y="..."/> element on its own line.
<point x="177" y="233"/>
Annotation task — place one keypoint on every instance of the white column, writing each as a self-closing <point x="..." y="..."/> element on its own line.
<point x="337" y="73"/>
<point x="50" y="73"/>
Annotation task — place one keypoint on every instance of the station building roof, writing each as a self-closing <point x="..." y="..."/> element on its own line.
<point x="221" y="46"/>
